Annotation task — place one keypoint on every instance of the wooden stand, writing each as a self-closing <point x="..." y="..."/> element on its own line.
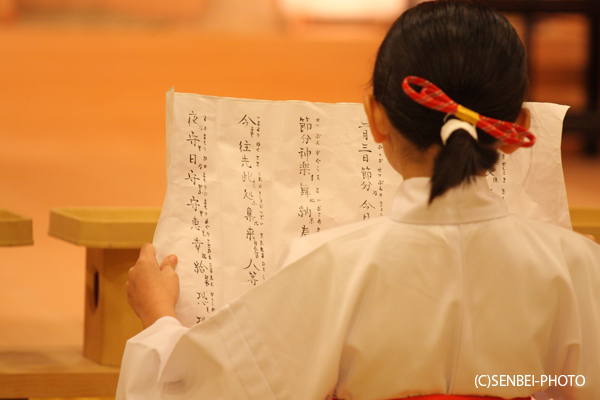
<point x="47" y="372"/>
<point x="53" y="372"/>
<point x="109" y="321"/>
<point x="15" y="229"/>
<point x="586" y="220"/>
<point x="113" y="237"/>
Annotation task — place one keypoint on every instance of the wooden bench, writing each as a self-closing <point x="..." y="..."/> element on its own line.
<point x="112" y="237"/>
<point x="53" y="372"/>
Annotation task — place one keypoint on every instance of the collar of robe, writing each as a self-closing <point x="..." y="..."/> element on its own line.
<point x="468" y="203"/>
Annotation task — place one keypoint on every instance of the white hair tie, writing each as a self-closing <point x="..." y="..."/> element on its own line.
<point x="452" y="125"/>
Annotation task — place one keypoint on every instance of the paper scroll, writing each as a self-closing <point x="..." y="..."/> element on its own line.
<point x="247" y="176"/>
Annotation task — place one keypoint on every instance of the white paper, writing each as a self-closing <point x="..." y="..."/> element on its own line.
<point x="535" y="186"/>
<point x="245" y="177"/>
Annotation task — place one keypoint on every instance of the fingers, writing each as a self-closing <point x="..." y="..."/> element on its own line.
<point x="131" y="299"/>
<point x="147" y="254"/>
<point x="146" y="260"/>
<point x="148" y="249"/>
<point x="148" y="257"/>
<point x="169" y="262"/>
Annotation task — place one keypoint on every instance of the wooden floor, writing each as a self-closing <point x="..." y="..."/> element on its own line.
<point x="82" y="124"/>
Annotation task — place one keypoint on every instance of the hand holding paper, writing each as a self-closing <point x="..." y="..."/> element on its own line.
<point x="153" y="290"/>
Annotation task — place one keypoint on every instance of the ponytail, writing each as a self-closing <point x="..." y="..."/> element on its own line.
<point x="474" y="55"/>
<point x="460" y="160"/>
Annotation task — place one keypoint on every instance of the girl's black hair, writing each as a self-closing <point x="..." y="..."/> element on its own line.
<point x="475" y="56"/>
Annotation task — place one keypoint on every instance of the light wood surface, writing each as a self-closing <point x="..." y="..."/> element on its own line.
<point x="28" y="372"/>
<point x="586" y="220"/>
<point x="113" y="238"/>
<point x="109" y="320"/>
<point x="15" y="229"/>
<point x="104" y="227"/>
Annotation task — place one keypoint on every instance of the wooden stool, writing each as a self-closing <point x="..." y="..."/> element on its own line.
<point x="113" y="238"/>
<point x="586" y="220"/>
<point x="15" y="229"/>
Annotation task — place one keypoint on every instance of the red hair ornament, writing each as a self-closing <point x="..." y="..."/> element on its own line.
<point x="434" y="98"/>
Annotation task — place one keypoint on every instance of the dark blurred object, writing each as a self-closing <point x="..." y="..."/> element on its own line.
<point x="587" y="122"/>
<point x="8" y="10"/>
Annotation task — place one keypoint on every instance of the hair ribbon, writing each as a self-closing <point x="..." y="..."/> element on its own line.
<point x="434" y="98"/>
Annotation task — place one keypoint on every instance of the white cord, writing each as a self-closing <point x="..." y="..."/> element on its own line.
<point x="454" y="124"/>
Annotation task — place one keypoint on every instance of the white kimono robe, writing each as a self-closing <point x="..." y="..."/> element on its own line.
<point x="423" y="301"/>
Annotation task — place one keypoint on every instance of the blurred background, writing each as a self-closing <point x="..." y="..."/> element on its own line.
<point x="82" y="99"/>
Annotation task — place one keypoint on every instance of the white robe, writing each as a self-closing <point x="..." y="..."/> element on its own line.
<point x="422" y="301"/>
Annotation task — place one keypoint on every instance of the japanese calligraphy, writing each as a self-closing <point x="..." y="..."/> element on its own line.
<point x="246" y="177"/>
